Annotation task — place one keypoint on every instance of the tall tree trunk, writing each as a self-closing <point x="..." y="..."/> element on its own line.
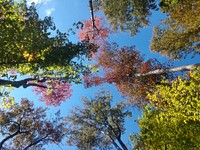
<point x="92" y="13"/>
<point x="176" y="69"/>
<point x="118" y="137"/>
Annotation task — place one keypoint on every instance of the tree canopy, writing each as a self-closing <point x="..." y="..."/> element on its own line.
<point x="126" y="68"/>
<point x="132" y="76"/>
<point x="27" y="39"/>
<point x="97" y="124"/>
<point x="176" y="36"/>
<point x="126" y="14"/>
<point x="23" y="127"/>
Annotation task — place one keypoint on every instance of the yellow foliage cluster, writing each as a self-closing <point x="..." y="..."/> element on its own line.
<point x="171" y="121"/>
<point x="7" y="102"/>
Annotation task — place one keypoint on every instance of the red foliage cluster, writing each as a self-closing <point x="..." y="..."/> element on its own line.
<point x="55" y="93"/>
<point x="120" y="67"/>
<point x="150" y="65"/>
<point x="97" y="34"/>
<point x="90" y="80"/>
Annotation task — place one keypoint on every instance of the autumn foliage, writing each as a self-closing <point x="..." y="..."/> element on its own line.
<point x="124" y="67"/>
<point x="178" y="35"/>
<point x="96" y="34"/>
<point x="54" y="93"/>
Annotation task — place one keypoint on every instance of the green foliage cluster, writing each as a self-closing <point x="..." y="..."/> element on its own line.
<point x="27" y="44"/>
<point x="33" y="47"/>
<point x="127" y="14"/>
<point x="6" y="101"/>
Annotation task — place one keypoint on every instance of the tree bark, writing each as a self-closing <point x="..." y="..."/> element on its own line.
<point x="176" y="69"/>
<point x="92" y="13"/>
<point x="122" y="144"/>
<point x="114" y="143"/>
<point x="24" y="83"/>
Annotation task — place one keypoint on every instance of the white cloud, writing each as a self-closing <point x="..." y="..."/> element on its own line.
<point x="49" y="11"/>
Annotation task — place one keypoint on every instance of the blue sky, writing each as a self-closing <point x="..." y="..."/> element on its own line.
<point x="65" y="13"/>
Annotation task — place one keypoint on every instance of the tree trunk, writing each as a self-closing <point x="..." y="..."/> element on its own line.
<point x="176" y="69"/>
<point x="115" y="144"/>
<point x="118" y="137"/>
<point x="92" y="13"/>
<point x="122" y="144"/>
<point x="24" y="83"/>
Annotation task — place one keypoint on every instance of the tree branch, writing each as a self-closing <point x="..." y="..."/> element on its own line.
<point x="37" y="141"/>
<point x="118" y="128"/>
<point x="9" y="137"/>
<point x="92" y="17"/>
